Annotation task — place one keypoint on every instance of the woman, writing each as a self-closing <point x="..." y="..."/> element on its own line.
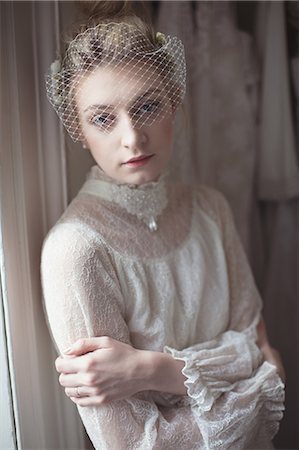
<point x="147" y="290"/>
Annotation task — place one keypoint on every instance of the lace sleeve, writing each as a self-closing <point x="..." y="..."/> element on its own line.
<point x="83" y="299"/>
<point x="228" y="373"/>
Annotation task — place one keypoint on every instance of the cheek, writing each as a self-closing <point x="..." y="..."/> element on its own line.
<point x="167" y="133"/>
<point x="97" y="147"/>
<point x="97" y="141"/>
<point x="93" y="141"/>
<point x="163" y="130"/>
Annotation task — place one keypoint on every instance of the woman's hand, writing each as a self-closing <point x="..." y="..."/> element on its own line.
<point x="270" y="354"/>
<point x="100" y="369"/>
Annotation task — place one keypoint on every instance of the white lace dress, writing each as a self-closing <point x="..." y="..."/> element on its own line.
<point x="186" y="289"/>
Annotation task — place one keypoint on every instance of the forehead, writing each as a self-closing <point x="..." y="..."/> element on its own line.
<point x="117" y="86"/>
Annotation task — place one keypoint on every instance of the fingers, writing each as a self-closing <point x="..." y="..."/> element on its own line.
<point x="95" y="400"/>
<point x="70" y="381"/>
<point x="82" y="346"/>
<point x="81" y="392"/>
<point x="73" y="365"/>
<point x="80" y="378"/>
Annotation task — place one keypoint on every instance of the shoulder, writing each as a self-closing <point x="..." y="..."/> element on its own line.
<point x="71" y="251"/>
<point x="210" y="195"/>
<point x="65" y="243"/>
<point x="206" y="199"/>
<point x="202" y="193"/>
<point x="73" y="238"/>
<point x="66" y="233"/>
<point x="214" y="203"/>
<point x="74" y="230"/>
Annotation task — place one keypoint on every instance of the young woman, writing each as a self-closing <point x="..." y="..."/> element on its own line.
<point x="148" y="293"/>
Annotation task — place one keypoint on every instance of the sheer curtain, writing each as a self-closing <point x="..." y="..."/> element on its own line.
<point x="33" y="196"/>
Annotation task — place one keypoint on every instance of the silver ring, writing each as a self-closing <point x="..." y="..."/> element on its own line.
<point x="77" y="392"/>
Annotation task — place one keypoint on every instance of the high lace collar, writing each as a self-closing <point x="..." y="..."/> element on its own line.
<point x="146" y="201"/>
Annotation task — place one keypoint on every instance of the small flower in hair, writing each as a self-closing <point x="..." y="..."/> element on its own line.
<point x="55" y="66"/>
<point x="160" y="38"/>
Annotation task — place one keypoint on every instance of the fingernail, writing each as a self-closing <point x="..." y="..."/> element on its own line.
<point x="67" y="350"/>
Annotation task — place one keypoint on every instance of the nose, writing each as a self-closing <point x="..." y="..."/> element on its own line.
<point x="132" y="135"/>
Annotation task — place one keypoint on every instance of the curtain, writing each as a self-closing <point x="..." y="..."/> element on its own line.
<point x="276" y="260"/>
<point x="33" y="196"/>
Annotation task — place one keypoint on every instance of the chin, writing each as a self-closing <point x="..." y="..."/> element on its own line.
<point x="141" y="178"/>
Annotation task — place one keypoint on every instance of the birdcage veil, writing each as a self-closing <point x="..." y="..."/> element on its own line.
<point x="158" y="67"/>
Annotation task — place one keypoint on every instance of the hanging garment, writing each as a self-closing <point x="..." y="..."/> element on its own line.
<point x="278" y="171"/>
<point x="219" y="145"/>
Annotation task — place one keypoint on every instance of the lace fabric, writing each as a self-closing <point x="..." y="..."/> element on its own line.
<point x="146" y="202"/>
<point x="185" y="289"/>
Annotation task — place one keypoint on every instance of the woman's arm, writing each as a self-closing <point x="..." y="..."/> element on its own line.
<point x="121" y="371"/>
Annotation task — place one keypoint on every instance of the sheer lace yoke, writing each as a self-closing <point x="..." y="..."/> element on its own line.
<point x="109" y="210"/>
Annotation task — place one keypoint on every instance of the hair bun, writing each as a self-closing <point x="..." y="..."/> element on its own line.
<point x="105" y="10"/>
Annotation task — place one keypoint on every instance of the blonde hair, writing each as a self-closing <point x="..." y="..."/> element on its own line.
<point x="104" y="12"/>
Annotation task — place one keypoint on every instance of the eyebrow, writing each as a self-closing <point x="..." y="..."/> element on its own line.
<point x="147" y="93"/>
<point x="141" y="97"/>
<point x="97" y="107"/>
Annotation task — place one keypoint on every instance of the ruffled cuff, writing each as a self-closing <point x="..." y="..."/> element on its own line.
<point x="214" y="367"/>
<point x="247" y="417"/>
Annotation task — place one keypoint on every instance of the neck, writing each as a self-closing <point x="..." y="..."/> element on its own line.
<point x="98" y="173"/>
<point x="146" y="201"/>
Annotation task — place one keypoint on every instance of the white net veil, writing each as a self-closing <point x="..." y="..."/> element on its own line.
<point x="151" y="72"/>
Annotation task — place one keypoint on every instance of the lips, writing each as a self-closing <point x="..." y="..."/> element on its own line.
<point x="138" y="158"/>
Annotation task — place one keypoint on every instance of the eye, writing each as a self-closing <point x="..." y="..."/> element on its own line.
<point x="104" y="120"/>
<point x="148" y="107"/>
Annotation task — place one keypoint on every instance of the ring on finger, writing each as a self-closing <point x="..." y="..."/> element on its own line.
<point x="78" y="392"/>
